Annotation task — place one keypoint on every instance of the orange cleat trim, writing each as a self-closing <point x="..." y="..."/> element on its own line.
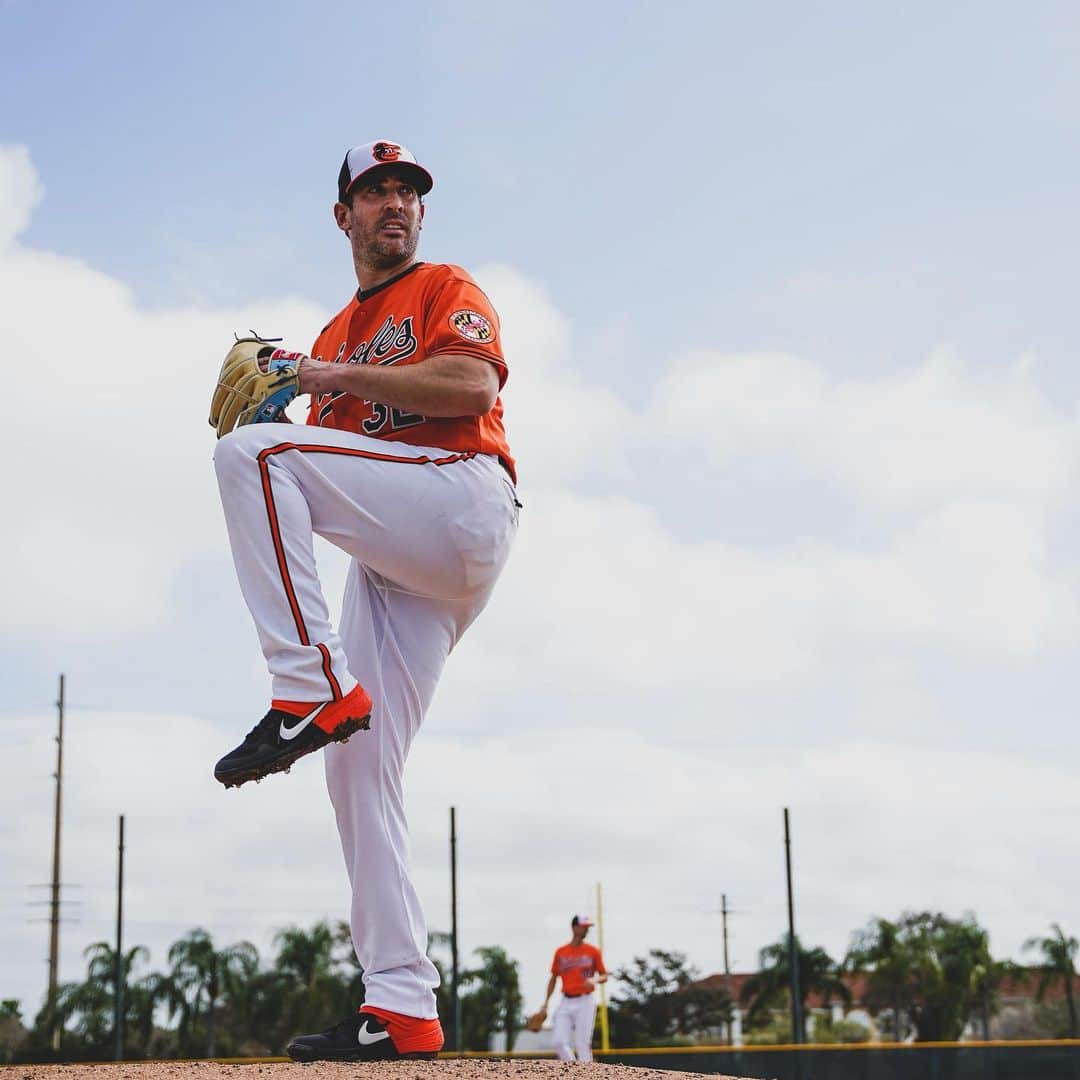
<point x="355" y="705"/>
<point x="409" y="1034"/>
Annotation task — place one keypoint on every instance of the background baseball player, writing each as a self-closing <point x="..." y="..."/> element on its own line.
<point x="403" y="463"/>
<point x="581" y="968"/>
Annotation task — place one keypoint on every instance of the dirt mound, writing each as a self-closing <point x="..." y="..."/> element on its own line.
<point x="450" y="1069"/>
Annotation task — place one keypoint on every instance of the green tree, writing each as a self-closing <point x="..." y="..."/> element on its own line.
<point x="770" y="988"/>
<point x="954" y="974"/>
<point x="258" y="1014"/>
<point x="141" y="996"/>
<point x="13" y="1032"/>
<point x="492" y="1000"/>
<point x="317" y="977"/>
<point x="659" y="1002"/>
<point x="200" y="973"/>
<point x="985" y="979"/>
<point x="142" y="999"/>
<point x="86" y="1010"/>
<point x="93" y="1002"/>
<point x="1058" y="962"/>
<point x="881" y="954"/>
<point x="347" y="965"/>
<point x="935" y="970"/>
<point x="827" y="1030"/>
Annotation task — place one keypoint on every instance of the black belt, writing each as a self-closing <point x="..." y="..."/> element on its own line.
<point x="585" y="994"/>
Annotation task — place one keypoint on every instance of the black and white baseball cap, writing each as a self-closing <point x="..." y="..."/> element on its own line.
<point x="361" y="160"/>
<point x="581" y="920"/>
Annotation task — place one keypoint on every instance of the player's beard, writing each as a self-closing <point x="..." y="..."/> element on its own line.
<point x="385" y="252"/>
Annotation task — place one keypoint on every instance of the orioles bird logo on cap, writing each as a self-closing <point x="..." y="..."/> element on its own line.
<point x="386" y="151"/>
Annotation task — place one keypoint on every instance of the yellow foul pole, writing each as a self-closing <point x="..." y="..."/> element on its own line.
<point x="605" y="1040"/>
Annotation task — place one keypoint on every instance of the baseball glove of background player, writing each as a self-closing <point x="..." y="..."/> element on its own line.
<point x="256" y="382"/>
<point x="536" y="1021"/>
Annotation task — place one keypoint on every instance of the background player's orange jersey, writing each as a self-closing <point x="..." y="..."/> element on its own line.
<point x="576" y="963"/>
<point x="427" y="310"/>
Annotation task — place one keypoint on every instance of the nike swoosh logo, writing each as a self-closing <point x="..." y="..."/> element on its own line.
<point x="366" y="1038"/>
<point x="288" y="733"/>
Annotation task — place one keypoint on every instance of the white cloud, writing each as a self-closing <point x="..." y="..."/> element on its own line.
<point x="561" y="423"/>
<point x="633" y="668"/>
<point x="907" y="442"/>
<point x="115" y="486"/>
<point x="20" y="192"/>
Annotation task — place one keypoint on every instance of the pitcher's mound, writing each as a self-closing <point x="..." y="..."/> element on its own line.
<point x="450" y="1069"/>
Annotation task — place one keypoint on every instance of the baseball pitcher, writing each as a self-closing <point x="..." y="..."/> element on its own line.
<point x="403" y="463"/>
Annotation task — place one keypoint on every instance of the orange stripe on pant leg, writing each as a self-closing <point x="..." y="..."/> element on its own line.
<point x="275" y="531"/>
<point x="328" y="671"/>
<point x="371" y="455"/>
<point x="279" y="551"/>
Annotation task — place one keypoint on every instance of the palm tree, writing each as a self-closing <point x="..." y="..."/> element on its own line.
<point x="307" y="955"/>
<point x="90" y="1006"/>
<point x="101" y="970"/>
<point x="198" y="971"/>
<point x="771" y="985"/>
<point x="933" y="969"/>
<point x="260" y="1011"/>
<point x="85" y="1009"/>
<point x="496" y="1002"/>
<point x="880" y="953"/>
<point x="12" y="1031"/>
<point x="142" y="999"/>
<point x="319" y="973"/>
<point x="347" y="964"/>
<point x="1059" y="962"/>
<point x="986" y="977"/>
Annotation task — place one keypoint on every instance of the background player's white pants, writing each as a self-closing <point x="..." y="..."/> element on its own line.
<point x="428" y="541"/>
<point x="572" y="1027"/>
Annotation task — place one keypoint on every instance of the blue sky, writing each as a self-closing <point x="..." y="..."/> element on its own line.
<point x="788" y="300"/>
<point x="899" y="150"/>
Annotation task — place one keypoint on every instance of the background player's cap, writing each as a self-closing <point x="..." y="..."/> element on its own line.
<point x="360" y="160"/>
<point x="581" y="920"/>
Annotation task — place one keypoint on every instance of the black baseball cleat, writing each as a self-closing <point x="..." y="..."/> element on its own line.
<point x="361" y="1037"/>
<point x="283" y="736"/>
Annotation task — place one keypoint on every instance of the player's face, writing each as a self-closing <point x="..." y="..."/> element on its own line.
<point x="383" y="220"/>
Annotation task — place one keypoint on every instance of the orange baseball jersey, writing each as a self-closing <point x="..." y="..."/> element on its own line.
<point x="576" y="963"/>
<point x="429" y="309"/>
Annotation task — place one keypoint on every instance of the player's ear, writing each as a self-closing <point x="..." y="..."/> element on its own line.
<point x="342" y="216"/>
<point x="422" y="209"/>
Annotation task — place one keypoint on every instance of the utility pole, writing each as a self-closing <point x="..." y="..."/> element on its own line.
<point x="605" y="1031"/>
<point x="793" y="952"/>
<point x="118" y="1014"/>
<point x="453" y="931"/>
<point x="54" y="904"/>
<point x="727" y="964"/>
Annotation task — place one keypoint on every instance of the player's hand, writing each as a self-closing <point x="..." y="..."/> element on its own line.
<point x="536" y="1021"/>
<point x="589" y="986"/>
<point x="312" y="376"/>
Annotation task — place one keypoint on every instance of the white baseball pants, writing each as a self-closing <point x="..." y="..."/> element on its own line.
<point x="428" y="531"/>
<point x="572" y="1027"/>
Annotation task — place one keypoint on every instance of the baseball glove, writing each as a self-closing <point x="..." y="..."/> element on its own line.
<point x="536" y="1021"/>
<point x="256" y="382"/>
